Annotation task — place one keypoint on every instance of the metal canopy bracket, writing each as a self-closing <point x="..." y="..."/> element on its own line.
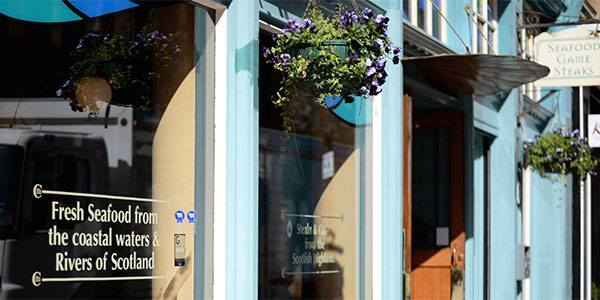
<point x="536" y="115"/>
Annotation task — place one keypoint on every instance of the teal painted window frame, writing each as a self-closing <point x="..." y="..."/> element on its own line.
<point x="242" y="158"/>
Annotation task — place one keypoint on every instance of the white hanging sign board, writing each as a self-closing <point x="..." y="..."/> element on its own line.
<point x="594" y="130"/>
<point x="573" y="56"/>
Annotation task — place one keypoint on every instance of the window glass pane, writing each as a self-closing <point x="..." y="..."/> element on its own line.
<point x="98" y="114"/>
<point x="10" y="177"/>
<point x="421" y="14"/>
<point x="313" y="192"/>
<point x="436" y="19"/>
<point x="431" y="188"/>
<point x="405" y="9"/>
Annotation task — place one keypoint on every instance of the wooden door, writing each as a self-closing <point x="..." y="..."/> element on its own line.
<point x="434" y="205"/>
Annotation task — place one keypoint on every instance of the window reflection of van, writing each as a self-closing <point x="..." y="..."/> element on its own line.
<point x="72" y="162"/>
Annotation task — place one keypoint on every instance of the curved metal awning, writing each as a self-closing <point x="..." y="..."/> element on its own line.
<point x="478" y="74"/>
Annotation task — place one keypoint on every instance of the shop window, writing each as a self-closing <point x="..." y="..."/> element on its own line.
<point x="313" y="196"/>
<point x="484" y="26"/>
<point x="97" y="148"/>
<point x="423" y="14"/>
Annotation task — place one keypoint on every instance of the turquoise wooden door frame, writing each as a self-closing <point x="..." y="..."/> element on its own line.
<point x="241" y="266"/>
<point x="391" y="285"/>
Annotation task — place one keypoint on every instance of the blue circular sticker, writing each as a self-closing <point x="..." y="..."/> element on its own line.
<point x="179" y="216"/>
<point x="191" y="216"/>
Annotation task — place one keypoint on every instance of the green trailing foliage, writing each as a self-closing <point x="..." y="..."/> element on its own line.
<point x="309" y="55"/>
<point x="559" y="152"/>
<point x="124" y="61"/>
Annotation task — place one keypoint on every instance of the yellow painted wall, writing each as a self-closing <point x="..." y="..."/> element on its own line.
<point x="173" y="178"/>
<point x="341" y="198"/>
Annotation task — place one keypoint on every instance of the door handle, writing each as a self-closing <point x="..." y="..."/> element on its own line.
<point x="455" y="269"/>
<point x="455" y="259"/>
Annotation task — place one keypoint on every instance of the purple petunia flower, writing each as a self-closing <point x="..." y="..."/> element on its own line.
<point x="581" y="159"/>
<point x="549" y="156"/>
<point x="375" y="85"/>
<point x="389" y="48"/>
<point x="370" y="72"/>
<point x="525" y="146"/>
<point x="266" y="52"/>
<point x="381" y="21"/>
<point x="346" y="22"/>
<point x="396" y="59"/>
<point x="363" y="90"/>
<point x="353" y="56"/>
<point x="285" y="59"/>
<point x="275" y="36"/>
<point x="397" y="50"/>
<point x="291" y="26"/>
<point x="381" y="63"/>
<point x="378" y="42"/>
<point x="368" y="62"/>
<point x="354" y="17"/>
<point x="575" y="132"/>
<point x="558" y="150"/>
<point x="367" y="12"/>
<point x="363" y="20"/>
<point x="307" y="23"/>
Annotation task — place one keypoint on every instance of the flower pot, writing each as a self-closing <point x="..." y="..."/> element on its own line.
<point x="311" y="51"/>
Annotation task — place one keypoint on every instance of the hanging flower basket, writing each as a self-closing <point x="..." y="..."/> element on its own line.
<point x="560" y="153"/>
<point x="331" y="57"/>
<point x="123" y="63"/>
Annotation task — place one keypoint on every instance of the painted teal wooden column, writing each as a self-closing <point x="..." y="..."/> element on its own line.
<point x="391" y="161"/>
<point x="242" y="151"/>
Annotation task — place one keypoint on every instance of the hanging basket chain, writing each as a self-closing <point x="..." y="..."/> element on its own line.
<point x="355" y="6"/>
<point x="310" y="3"/>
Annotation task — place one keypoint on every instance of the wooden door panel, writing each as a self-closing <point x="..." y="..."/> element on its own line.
<point x="431" y="267"/>
<point x="432" y="257"/>
<point x="424" y="288"/>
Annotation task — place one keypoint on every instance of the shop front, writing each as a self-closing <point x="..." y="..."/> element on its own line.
<point x="145" y="159"/>
<point x="99" y="119"/>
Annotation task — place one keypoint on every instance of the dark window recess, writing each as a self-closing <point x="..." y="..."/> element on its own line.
<point x="61" y="172"/>
<point x="11" y="160"/>
<point x="431" y="185"/>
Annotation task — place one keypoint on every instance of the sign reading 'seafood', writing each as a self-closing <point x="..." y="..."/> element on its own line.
<point x="573" y="56"/>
